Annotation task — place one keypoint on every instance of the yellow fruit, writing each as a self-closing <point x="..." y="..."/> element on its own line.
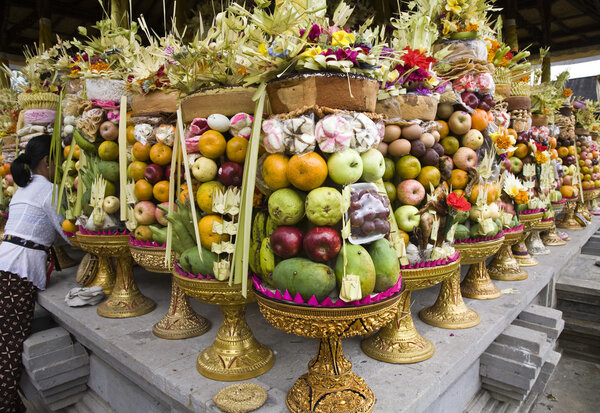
<point x="161" y="191"/>
<point x="205" y="228"/>
<point x="143" y="190"/>
<point x="236" y="149"/>
<point x="130" y="137"/>
<point x="160" y="154"/>
<point x="212" y="144"/>
<point x="69" y="226"/>
<point x="205" y="193"/>
<point x="108" y="151"/>
<point x="274" y="171"/>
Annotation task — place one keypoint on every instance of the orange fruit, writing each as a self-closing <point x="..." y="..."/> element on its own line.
<point x="443" y="129"/>
<point x="160" y="154"/>
<point x="572" y="151"/>
<point x="161" y="191"/>
<point x="76" y="152"/>
<point x="567" y="191"/>
<point x="553" y="154"/>
<point x="207" y="235"/>
<point x="552" y="142"/>
<point x="68" y="226"/>
<point x="140" y="151"/>
<point x="522" y="150"/>
<point x="130" y="137"/>
<point x="66" y="151"/>
<point x="236" y="149"/>
<point x="212" y="144"/>
<point x="184" y="195"/>
<point x="492" y="193"/>
<point x="143" y="190"/>
<point x="307" y="172"/>
<point x="4" y="170"/>
<point x="404" y="236"/>
<point x="512" y="132"/>
<point x="108" y="151"/>
<point x="563" y="151"/>
<point x="479" y="119"/>
<point x="459" y="179"/>
<point x="274" y="171"/>
<point x="143" y="233"/>
<point x="205" y="193"/>
<point x="136" y="169"/>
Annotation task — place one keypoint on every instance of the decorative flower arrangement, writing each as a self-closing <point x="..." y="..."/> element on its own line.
<point x="503" y="141"/>
<point x="291" y="40"/>
<point x="508" y="66"/>
<point x="40" y="71"/>
<point x="586" y="113"/>
<point x="464" y="19"/>
<point x="9" y="111"/>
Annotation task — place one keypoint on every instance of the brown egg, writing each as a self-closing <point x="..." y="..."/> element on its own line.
<point x="428" y="140"/>
<point x="412" y="132"/>
<point x="383" y="148"/>
<point x="392" y="132"/>
<point x="436" y="135"/>
<point x="399" y="147"/>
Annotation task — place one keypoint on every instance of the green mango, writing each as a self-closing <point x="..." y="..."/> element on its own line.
<point x="109" y="170"/>
<point x="474" y="233"/>
<point x="521" y="207"/>
<point x="359" y="263"/>
<point x="462" y="232"/>
<point x="386" y="263"/>
<point x="301" y="275"/>
<point x="190" y="261"/>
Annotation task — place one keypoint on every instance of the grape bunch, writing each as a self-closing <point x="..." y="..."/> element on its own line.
<point x="369" y="212"/>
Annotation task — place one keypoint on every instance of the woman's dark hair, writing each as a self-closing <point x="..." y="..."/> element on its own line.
<point x="36" y="150"/>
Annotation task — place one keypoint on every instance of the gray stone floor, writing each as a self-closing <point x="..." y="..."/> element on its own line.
<point x="573" y="388"/>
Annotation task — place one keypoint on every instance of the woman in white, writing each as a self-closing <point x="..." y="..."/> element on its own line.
<point x="32" y="227"/>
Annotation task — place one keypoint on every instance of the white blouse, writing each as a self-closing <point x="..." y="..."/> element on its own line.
<point x="32" y="217"/>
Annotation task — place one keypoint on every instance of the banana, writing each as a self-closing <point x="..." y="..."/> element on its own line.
<point x="258" y="226"/>
<point x="270" y="227"/>
<point x="267" y="257"/>
<point x="254" y="255"/>
<point x="83" y="143"/>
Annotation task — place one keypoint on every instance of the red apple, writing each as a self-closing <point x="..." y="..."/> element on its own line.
<point x="286" y="241"/>
<point x="230" y="174"/>
<point x="322" y="244"/>
<point x="159" y="214"/>
<point x="153" y="173"/>
<point x="465" y="158"/>
<point x="9" y="179"/>
<point x="168" y="171"/>
<point x="109" y="131"/>
<point x="410" y="192"/>
<point x="144" y="212"/>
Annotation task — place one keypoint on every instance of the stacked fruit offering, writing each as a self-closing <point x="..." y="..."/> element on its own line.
<point x="567" y="152"/>
<point x="327" y="233"/>
<point x="588" y="158"/>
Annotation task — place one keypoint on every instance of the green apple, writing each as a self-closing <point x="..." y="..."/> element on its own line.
<point x="346" y="167"/>
<point x="450" y="145"/>
<point x="204" y="169"/>
<point x="390" y="169"/>
<point x="408" y="167"/>
<point x="373" y="165"/>
<point x="407" y="217"/>
<point x="390" y="190"/>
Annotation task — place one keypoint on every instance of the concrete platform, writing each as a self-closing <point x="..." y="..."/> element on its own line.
<point x="165" y="370"/>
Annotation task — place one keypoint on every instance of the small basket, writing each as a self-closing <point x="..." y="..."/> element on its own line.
<point x="38" y="100"/>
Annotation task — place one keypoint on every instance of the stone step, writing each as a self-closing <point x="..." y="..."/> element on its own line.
<point x="578" y="290"/>
<point x="518" y="354"/>
<point x="491" y="363"/>
<point x="478" y="402"/>
<point x="583" y="311"/>
<point x="586" y="348"/>
<point x="70" y="375"/>
<point x="79" y="359"/>
<point x="522" y="337"/>
<point x="551" y="332"/>
<point x="95" y="404"/>
<point x="80" y="389"/>
<point x="38" y="362"/>
<point x="68" y="401"/>
<point x="46" y="341"/>
<point x="583" y="327"/>
<point x="544" y="316"/>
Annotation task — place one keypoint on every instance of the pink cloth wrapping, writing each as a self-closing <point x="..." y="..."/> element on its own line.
<point x="39" y="116"/>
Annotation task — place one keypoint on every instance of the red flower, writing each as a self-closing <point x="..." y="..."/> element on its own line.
<point x="540" y="147"/>
<point x="416" y="58"/>
<point x="458" y="202"/>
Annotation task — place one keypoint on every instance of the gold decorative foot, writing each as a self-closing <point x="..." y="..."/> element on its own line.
<point x="235" y="353"/>
<point x="126" y="299"/>
<point x="105" y="275"/>
<point x="399" y="342"/>
<point x="552" y="239"/>
<point x="478" y="284"/>
<point x="330" y="385"/>
<point x="181" y="321"/>
<point x="450" y="311"/>
<point x="64" y="260"/>
<point x="504" y="266"/>
<point x="569" y="221"/>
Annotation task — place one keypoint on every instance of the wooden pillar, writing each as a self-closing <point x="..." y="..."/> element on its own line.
<point x="546" y="14"/>
<point x="45" y="39"/>
<point x="4" y="80"/>
<point x="510" y="26"/>
<point x="180" y="11"/>
<point x="119" y="12"/>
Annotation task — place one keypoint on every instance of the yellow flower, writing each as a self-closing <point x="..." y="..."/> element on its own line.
<point x="541" y="157"/>
<point x="522" y="197"/>
<point x="455" y="5"/>
<point x="262" y="49"/>
<point x="342" y="38"/>
<point x="313" y="51"/>
<point x="448" y="27"/>
<point x="393" y="75"/>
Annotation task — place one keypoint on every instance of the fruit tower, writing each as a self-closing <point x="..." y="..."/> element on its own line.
<point x="9" y="113"/>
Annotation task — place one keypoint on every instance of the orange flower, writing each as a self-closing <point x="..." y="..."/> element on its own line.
<point x="524" y="79"/>
<point x="567" y="92"/>
<point x="522" y="197"/>
<point x="243" y="70"/>
<point x="99" y="66"/>
<point x="541" y="157"/>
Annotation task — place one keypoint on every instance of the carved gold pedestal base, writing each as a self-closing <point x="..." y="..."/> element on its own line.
<point x="235" y="353"/>
<point x="181" y="321"/>
<point x="399" y="342"/>
<point x="449" y="310"/>
<point x="478" y="284"/>
<point x="569" y="221"/>
<point x="552" y="239"/>
<point x="126" y="300"/>
<point x="504" y="266"/>
<point x="318" y="391"/>
<point x="64" y="260"/>
<point x="105" y="275"/>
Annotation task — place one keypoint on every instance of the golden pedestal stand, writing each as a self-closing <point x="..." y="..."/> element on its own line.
<point x="126" y="300"/>
<point x="103" y="274"/>
<point x="593" y="206"/>
<point x="450" y="310"/>
<point x="3" y="220"/>
<point x="583" y="208"/>
<point x="181" y="321"/>
<point x="530" y="222"/>
<point x="504" y="266"/>
<point x="550" y="237"/>
<point x="330" y="385"/>
<point x="477" y="283"/>
<point x="235" y="353"/>
<point x="399" y="342"/>
<point x="534" y="243"/>
<point x="569" y="221"/>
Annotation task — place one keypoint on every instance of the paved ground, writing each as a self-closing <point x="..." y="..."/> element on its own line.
<point x="573" y="388"/>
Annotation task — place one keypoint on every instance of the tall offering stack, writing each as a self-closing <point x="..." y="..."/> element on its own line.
<point x="9" y="114"/>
